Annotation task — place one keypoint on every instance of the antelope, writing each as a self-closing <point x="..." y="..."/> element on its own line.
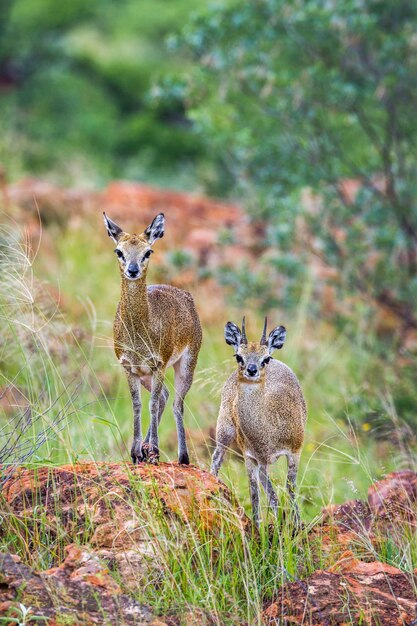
<point x="263" y="410"/>
<point x="155" y="327"/>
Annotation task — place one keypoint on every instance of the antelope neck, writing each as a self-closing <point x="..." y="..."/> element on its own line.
<point x="134" y="303"/>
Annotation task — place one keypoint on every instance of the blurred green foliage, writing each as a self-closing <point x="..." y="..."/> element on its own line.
<point x="75" y="85"/>
<point x="295" y="95"/>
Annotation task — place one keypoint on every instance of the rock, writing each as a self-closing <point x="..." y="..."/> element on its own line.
<point x="79" y="592"/>
<point x="136" y="567"/>
<point x="395" y="496"/>
<point x="82" y="565"/>
<point x="351" y="592"/>
<point x="111" y="496"/>
<point x="349" y="564"/>
<point x="353" y="515"/>
<point x="391" y="508"/>
<point x="329" y="541"/>
<point x="122" y="511"/>
<point x="393" y="502"/>
<point x="342" y="526"/>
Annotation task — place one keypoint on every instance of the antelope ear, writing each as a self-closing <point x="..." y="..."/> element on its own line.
<point x="156" y="229"/>
<point x="232" y="335"/>
<point x="113" y="230"/>
<point x="276" y="338"/>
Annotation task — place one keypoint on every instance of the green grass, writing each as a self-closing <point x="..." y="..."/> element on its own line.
<point x="60" y="357"/>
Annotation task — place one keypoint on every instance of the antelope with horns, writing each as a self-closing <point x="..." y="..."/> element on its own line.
<point x="155" y="327"/>
<point x="262" y="410"/>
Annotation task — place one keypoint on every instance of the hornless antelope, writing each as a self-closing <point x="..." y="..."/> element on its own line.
<point x="155" y="327"/>
<point x="263" y="410"/>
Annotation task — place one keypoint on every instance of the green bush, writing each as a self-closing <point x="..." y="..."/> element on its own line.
<point x="296" y="95"/>
<point x="75" y="84"/>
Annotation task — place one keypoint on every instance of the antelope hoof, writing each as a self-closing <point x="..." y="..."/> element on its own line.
<point x="184" y="459"/>
<point x="136" y="453"/>
<point x="149" y="454"/>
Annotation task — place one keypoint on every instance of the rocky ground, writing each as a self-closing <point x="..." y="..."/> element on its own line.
<point x="97" y="515"/>
<point x="104" y="507"/>
<point x="350" y="592"/>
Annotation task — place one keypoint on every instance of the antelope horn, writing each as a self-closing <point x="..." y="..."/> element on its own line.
<point x="244" y="339"/>
<point x="263" y="338"/>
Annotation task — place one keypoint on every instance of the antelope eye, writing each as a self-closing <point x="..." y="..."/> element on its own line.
<point x="266" y="361"/>
<point x="147" y="254"/>
<point x="119" y="253"/>
<point x="239" y="358"/>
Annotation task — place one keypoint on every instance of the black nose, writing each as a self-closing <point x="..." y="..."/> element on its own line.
<point x="252" y="369"/>
<point x="133" y="269"/>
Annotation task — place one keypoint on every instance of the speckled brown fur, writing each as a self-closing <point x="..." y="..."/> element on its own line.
<point x="156" y="327"/>
<point x="265" y="415"/>
<point x="153" y="323"/>
<point x="269" y="415"/>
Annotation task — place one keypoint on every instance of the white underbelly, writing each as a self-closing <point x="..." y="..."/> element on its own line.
<point x="268" y="459"/>
<point x="139" y="369"/>
<point x="143" y="369"/>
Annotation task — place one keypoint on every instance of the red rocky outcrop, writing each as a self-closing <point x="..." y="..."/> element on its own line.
<point x="79" y="592"/>
<point x="104" y="517"/>
<point x="391" y="509"/>
<point x="110" y="499"/>
<point x="351" y="592"/>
